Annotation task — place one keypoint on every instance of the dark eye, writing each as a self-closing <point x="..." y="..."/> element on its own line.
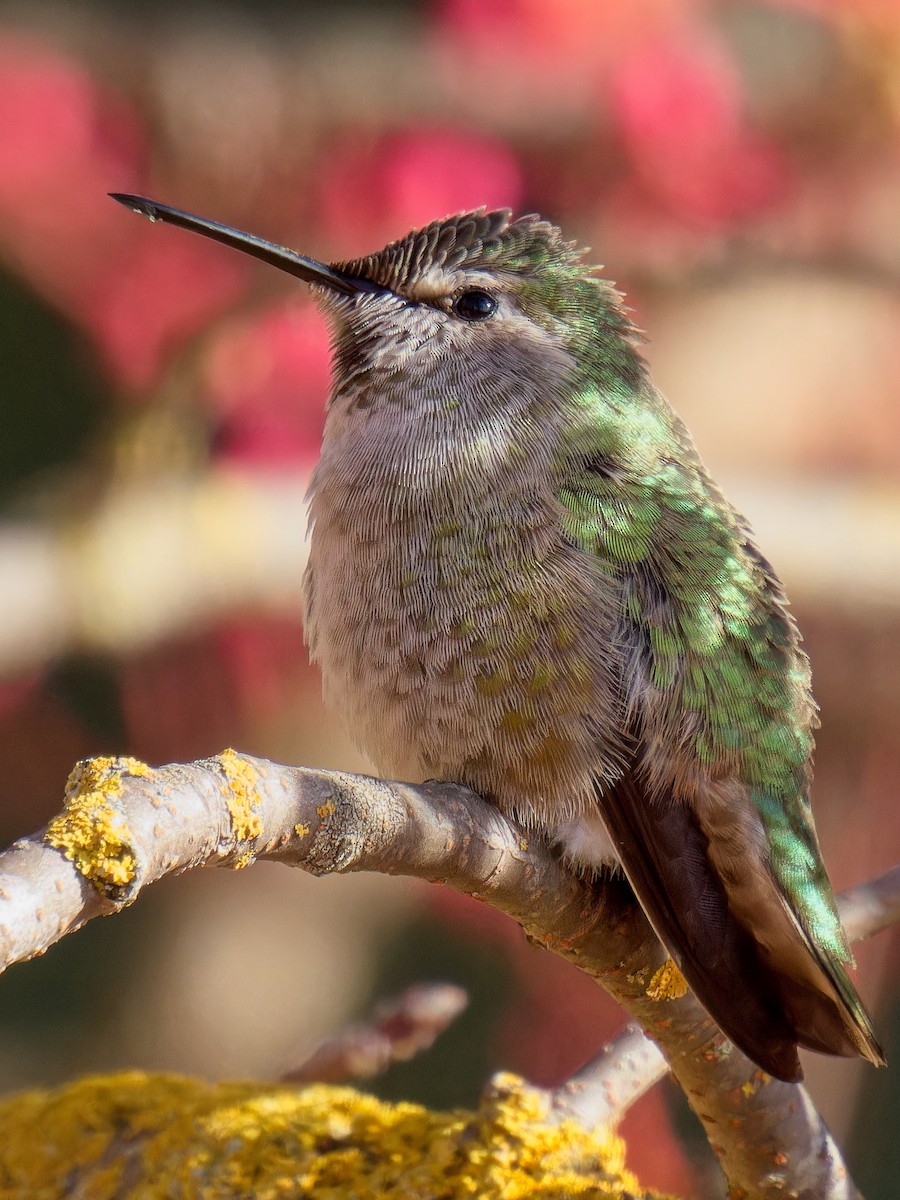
<point x="475" y="305"/>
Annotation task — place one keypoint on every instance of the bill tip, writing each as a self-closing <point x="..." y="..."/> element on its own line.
<point x="138" y="204"/>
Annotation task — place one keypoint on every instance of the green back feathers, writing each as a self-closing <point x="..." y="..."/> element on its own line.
<point x="720" y="658"/>
<point x="709" y="609"/>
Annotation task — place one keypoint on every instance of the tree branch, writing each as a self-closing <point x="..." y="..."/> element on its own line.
<point x="126" y="825"/>
<point x="399" y="1028"/>
<point x="603" y="1090"/>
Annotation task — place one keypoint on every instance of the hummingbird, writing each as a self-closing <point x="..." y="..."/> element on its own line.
<point x="523" y="579"/>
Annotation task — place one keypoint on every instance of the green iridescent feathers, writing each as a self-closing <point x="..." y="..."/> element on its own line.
<point x="709" y="812"/>
<point x="722" y="659"/>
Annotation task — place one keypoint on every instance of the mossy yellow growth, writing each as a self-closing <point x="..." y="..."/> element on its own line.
<point x="157" y="1136"/>
<point x="243" y="800"/>
<point x="667" y="983"/>
<point x="90" y="830"/>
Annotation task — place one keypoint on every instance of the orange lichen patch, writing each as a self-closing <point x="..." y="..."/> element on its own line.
<point x="165" y="1136"/>
<point x="91" y="831"/>
<point x="243" y="800"/>
<point x="667" y="983"/>
<point x="325" y="811"/>
<point x="752" y="1086"/>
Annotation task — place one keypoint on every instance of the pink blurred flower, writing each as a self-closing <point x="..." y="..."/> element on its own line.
<point x="532" y="48"/>
<point x="266" y="378"/>
<point x="176" y="699"/>
<point x="15" y="692"/>
<point x="533" y="34"/>
<point x="678" y="105"/>
<point x="66" y="142"/>
<point x="655" y="1152"/>
<point x="203" y="689"/>
<point x="59" y="129"/>
<point x="409" y="178"/>
<point x="264" y="662"/>
<point x="161" y="289"/>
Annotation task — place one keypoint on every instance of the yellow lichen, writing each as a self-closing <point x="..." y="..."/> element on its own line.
<point x="325" y="810"/>
<point x="161" y="1136"/>
<point x="90" y="830"/>
<point x="667" y="983"/>
<point x="301" y="830"/>
<point x="243" y="800"/>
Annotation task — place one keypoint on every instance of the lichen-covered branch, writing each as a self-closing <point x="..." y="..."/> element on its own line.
<point x="605" y="1087"/>
<point x="162" y="1135"/>
<point x="126" y="825"/>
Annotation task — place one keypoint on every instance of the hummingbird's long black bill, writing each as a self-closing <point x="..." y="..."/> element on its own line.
<point x="308" y="269"/>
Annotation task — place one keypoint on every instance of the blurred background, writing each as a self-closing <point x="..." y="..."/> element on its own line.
<point x="736" y="166"/>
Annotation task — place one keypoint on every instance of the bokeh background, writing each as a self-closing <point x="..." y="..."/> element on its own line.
<point x="736" y="166"/>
